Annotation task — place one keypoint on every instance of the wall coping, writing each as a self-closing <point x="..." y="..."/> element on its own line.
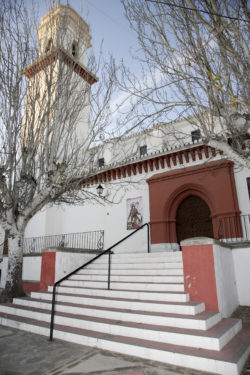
<point x="239" y="246"/>
<point x="211" y="241"/>
<point x="200" y="241"/>
<point x="70" y="250"/>
<point x="32" y="255"/>
<point x="31" y="281"/>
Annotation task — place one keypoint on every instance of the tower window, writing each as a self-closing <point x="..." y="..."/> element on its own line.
<point x="74" y="48"/>
<point x="101" y="162"/>
<point x="143" y="150"/>
<point x="248" y="186"/>
<point x="49" y="45"/>
<point x="196" y="135"/>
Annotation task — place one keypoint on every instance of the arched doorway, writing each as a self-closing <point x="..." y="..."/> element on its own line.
<point x="193" y="219"/>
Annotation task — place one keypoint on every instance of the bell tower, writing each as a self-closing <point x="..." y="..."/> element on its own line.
<point x="59" y="82"/>
<point x="64" y="28"/>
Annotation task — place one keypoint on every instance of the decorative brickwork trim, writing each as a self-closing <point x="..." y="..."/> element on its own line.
<point x="55" y="55"/>
<point x="152" y="164"/>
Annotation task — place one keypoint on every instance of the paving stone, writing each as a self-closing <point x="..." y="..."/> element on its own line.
<point x="5" y="332"/>
<point x="132" y="373"/>
<point x="98" y="362"/>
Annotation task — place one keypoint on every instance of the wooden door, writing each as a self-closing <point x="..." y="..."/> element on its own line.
<point x="193" y="219"/>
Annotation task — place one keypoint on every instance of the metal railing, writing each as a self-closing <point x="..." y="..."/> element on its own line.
<point x="85" y="240"/>
<point x="234" y="229"/>
<point x="109" y="252"/>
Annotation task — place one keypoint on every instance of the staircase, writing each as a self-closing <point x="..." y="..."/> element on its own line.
<point x="145" y="314"/>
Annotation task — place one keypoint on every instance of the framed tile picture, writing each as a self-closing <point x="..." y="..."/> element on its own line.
<point x="134" y="213"/>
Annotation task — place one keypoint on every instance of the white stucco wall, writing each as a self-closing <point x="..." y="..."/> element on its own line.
<point x="115" y="215"/>
<point x="109" y="214"/>
<point x="67" y="262"/>
<point x="240" y="175"/>
<point x="225" y="280"/>
<point x="241" y="257"/>
<point x="32" y="268"/>
<point x="36" y="227"/>
<point x="4" y="269"/>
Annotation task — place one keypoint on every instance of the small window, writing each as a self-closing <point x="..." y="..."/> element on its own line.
<point x="196" y="135"/>
<point x="248" y="186"/>
<point x="143" y="150"/>
<point x="74" y="49"/>
<point x="101" y="162"/>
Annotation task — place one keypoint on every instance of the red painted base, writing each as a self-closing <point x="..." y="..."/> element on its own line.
<point x="30" y="286"/>
<point x="199" y="275"/>
<point x="48" y="270"/>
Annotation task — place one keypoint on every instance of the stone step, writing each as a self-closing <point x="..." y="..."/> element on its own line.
<point x="213" y="339"/>
<point x="116" y="258"/>
<point x="118" y="293"/>
<point x="200" y="321"/>
<point x="134" y="304"/>
<point x="144" y="255"/>
<point x="125" y="285"/>
<point x="227" y="361"/>
<point x="119" y="266"/>
<point x="131" y="272"/>
<point x="131" y="278"/>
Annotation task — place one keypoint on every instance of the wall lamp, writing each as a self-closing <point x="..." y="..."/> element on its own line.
<point x="99" y="190"/>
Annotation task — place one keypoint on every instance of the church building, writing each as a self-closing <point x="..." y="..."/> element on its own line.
<point x="186" y="269"/>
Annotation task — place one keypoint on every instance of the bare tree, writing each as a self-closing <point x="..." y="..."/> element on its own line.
<point x="50" y="116"/>
<point x="195" y="60"/>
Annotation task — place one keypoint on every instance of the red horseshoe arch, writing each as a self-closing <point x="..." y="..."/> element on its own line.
<point x="212" y="182"/>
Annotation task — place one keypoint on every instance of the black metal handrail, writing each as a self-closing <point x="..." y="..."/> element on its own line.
<point x="108" y="251"/>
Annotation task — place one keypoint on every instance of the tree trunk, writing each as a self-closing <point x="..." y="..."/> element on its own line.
<point x="5" y="245"/>
<point x="13" y="287"/>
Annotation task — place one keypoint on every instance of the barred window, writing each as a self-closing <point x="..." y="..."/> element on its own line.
<point x="196" y="135"/>
<point x="101" y="162"/>
<point x="143" y="150"/>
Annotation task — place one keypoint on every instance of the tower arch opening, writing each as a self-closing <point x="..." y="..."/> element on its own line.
<point x="74" y="49"/>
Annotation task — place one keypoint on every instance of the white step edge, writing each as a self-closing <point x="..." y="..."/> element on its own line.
<point x="153" y="306"/>
<point x="156" y="287"/>
<point x="136" y="316"/>
<point x="118" y="266"/>
<point x="132" y="260"/>
<point x="175" y="279"/>
<point x="117" y="329"/>
<point x="160" y="254"/>
<point x="131" y="272"/>
<point x="144" y="295"/>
